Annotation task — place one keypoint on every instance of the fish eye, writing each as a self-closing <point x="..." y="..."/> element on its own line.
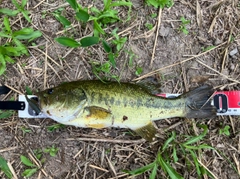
<point x="50" y="91"/>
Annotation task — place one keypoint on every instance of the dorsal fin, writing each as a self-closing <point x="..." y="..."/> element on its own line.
<point x="151" y="84"/>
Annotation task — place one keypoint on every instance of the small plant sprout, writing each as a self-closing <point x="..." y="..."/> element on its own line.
<point x="183" y="27"/>
<point x="55" y="127"/>
<point x="160" y="3"/>
<point x="51" y="150"/>
<point x="31" y="167"/>
<point x="225" y="130"/>
<point x="13" y="46"/>
<point x="20" y="9"/>
<point x="119" y="42"/>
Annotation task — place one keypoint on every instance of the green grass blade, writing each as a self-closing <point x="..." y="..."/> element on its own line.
<point x="73" y="4"/>
<point x="23" y="31"/>
<point x="141" y="170"/>
<point x="62" y="20"/>
<point x="175" y="157"/>
<point x="5" y="114"/>
<point x="29" y="172"/>
<point x="15" y="51"/>
<point x="2" y="64"/>
<point x="154" y="172"/>
<point x="202" y="146"/>
<point x="120" y="3"/>
<point x="97" y="26"/>
<point x="106" y="46"/>
<point x="5" y="35"/>
<point x="112" y="59"/>
<point x="4" y="167"/>
<point x="173" y="174"/>
<point x="54" y="127"/>
<point x="168" y="141"/>
<point x="9" y="12"/>
<point x="82" y="15"/>
<point x="16" y="4"/>
<point x="7" y="24"/>
<point x="24" y="2"/>
<point x="28" y="90"/>
<point x="29" y="36"/>
<point x="197" y="138"/>
<point x="9" y="59"/>
<point x="196" y="164"/>
<point x="26" y="161"/>
<point x="69" y="42"/>
<point x="89" y="41"/>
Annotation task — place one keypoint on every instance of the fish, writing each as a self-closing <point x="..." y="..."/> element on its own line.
<point x="95" y="104"/>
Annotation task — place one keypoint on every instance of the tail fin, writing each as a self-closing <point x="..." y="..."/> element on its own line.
<point x="198" y="104"/>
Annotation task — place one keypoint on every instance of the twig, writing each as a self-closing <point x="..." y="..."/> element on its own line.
<point x="45" y="67"/>
<point x="207" y="169"/>
<point x="14" y="89"/>
<point x="177" y="63"/>
<point x="47" y="56"/>
<point x="225" y="76"/>
<point x="226" y="51"/>
<point x="156" y="37"/>
<point x="12" y="170"/>
<point x="109" y="140"/>
<point x="38" y="4"/>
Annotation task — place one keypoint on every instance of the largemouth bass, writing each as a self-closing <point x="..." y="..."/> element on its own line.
<point x="96" y="104"/>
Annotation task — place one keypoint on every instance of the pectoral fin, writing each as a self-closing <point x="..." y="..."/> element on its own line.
<point x="97" y="117"/>
<point x="97" y="112"/>
<point x="147" y="132"/>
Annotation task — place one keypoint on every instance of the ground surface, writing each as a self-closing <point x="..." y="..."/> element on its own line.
<point x="105" y="153"/>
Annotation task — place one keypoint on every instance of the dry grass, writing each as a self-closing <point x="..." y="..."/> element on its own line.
<point x="177" y="60"/>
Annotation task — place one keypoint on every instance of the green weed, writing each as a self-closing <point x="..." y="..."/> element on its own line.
<point x="138" y="71"/>
<point x="6" y="114"/>
<point x="31" y="167"/>
<point x="160" y="3"/>
<point x="51" y="150"/>
<point x="169" y="152"/>
<point x="149" y="26"/>
<point x="13" y="46"/>
<point x="225" y="130"/>
<point x="25" y="130"/>
<point x="208" y="48"/>
<point x="20" y="9"/>
<point x="183" y="27"/>
<point x="119" y="42"/>
<point x="100" y="18"/>
<point x="55" y="127"/>
<point x="4" y="167"/>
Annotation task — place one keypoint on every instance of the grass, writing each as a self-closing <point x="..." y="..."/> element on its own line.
<point x="169" y="154"/>
<point x="13" y="45"/>
<point x="100" y="19"/>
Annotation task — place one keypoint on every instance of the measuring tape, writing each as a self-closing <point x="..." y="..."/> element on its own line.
<point x="226" y="102"/>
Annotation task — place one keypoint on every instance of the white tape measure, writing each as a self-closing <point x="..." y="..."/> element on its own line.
<point x="226" y="102"/>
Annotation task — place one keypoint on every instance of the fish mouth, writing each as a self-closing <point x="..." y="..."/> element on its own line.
<point x="34" y="104"/>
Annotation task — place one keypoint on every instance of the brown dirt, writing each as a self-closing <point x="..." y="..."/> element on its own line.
<point x="91" y="153"/>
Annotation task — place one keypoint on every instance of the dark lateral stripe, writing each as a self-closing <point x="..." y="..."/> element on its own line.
<point x="148" y="102"/>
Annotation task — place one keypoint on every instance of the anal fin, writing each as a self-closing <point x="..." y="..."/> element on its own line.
<point x="147" y="132"/>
